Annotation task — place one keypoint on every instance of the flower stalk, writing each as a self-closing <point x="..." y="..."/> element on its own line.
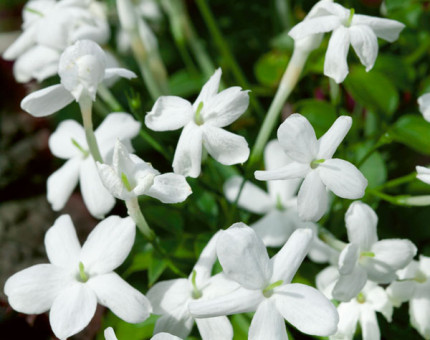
<point x="86" y="109"/>
<point x="135" y="213"/>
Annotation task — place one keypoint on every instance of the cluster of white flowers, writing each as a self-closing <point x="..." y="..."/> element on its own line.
<point x="62" y="36"/>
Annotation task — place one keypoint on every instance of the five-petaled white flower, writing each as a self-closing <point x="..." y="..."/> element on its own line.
<point x="82" y="68"/>
<point x="279" y="206"/>
<point x="366" y="258"/>
<point x="171" y="298"/>
<point x="414" y="286"/>
<point x="79" y="277"/>
<point x="110" y="335"/>
<point x="361" y="31"/>
<point x="69" y="142"/>
<point x="312" y="160"/>
<point x="265" y="286"/>
<point x="129" y="177"/>
<point x="203" y="122"/>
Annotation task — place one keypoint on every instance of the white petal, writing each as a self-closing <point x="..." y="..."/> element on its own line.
<point x="349" y="286"/>
<point x="118" y="72"/>
<point x="46" y="101"/>
<point x="423" y="174"/>
<point x="20" y="45"/>
<point x="170" y="188"/>
<point x="166" y="296"/>
<point x="419" y="310"/>
<point x="306" y="309"/>
<point x="244" y="257"/>
<point x="241" y="300"/>
<point x="225" y="107"/>
<point x="226" y="147"/>
<point x="72" y="310"/>
<point x="424" y="103"/>
<point x="218" y="328"/>
<point x="335" y="64"/>
<point x="297" y="137"/>
<point x="348" y="318"/>
<point x="209" y="90"/>
<point x="401" y="291"/>
<point x="96" y="197"/>
<point x="113" y="183"/>
<point x="108" y="245"/>
<point x="331" y="140"/>
<point x="169" y="113"/>
<point x="165" y="336"/>
<point x="386" y="29"/>
<point x="348" y="258"/>
<point x="122" y="299"/>
<point x="313" y="26"/>
<point x="288" y="260"/>
<point x="110" y="334"/>
<point x="425" y="264"/>
<point x="291" y="171"/>
<point x="61" y="140"/>
<point x="252" y="198"/>
<point x="377" y="297"/>
<point x="62" y="182"/>
<point x="217" y="285"/>
<point x="267" y="323"/>
<point x="369" y="324"/>
<point x="365" y="44"/>
<point x="178" y="323"/>
<point x="188" y="154"/>
<point x="312" y="200"/>
<point x="343" y="178"/>
<point x="275" y="227"/>
<point x="326" y="279"/>
<point x="62" y="244"/>
<point x="361" y="221"/>
<point x="33" y="290"/>
<point x="203" y="266"/>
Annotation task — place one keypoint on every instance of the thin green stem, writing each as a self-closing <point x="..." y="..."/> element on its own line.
<point x="383" y="140"/>
<point x="135" y="213"/>
<point x="397" y="181"/>
<point x="86" y="109"/>
<point x="106" y="95"/>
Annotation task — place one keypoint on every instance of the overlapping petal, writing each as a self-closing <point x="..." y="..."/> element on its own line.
<point x="335" y="64"/>
<point x="217" y="328"/>
<point x="170" y="188"/>
<point x="361" y="221"/>
<point x="365" y="44"/>
<point x="312" y="201"/>
<point x="331" y="140"/>
<point x="267" y="323"/>
<point x="169" y="113"/>
<point x="188" y="154"/>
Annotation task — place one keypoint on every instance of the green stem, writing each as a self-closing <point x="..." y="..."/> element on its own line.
<point x="137" y="216"/>
<point x="107" y="96"/>
<point x="86" y="109"/>
<point x="383" y="140"/>
<point x="397" y="181"/>
<point x="287" y="84"/>
<point x="328" y="238"/>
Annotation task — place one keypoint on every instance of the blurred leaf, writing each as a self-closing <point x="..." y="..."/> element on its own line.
<point x="125" y="330"/>
<point x="140" y="262"/>
<point x="156" y="268"/>
<point x="321" y="114"/>
<point x="240" y="323"/>
<point x="270" y="68"/>
<point x="374" y="169"/>
<point x="207" y="204"/>
<point x="393" y="4"/>
<point x="372" y="90"/>
<point x="413" y="131"/>
<point x="185" y="84"/>
<point x="396" y="69"/>
<point x="165" y="217"/>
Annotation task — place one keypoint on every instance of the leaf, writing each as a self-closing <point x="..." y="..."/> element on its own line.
<point x="413" y="131"/>
<point x="185" y="84"/>
<point x="372" y="90"/>
<point x="374" y="169"/>
<point x="270" y="68"/>
<point x="140" y="262"/>
<point x="396" y="69"/>
<point x="165" y="217"/>
<point x="156" y="268"/>
<point x="321" y="114"/>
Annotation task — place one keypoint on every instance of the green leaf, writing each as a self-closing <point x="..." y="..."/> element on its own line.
<point x="125" y="330"/>
<point x="165" y="217"/>
<point x="270" y="68"/>
<point x="374" y="169"/>
<point x="156" y="268"/>
<point x="413" y="131"/>
<point x="372" y="90"/>
<point x="185" y="84"/>
<point x="140" y="262"/>
<point x="396" y="69"/>
<point x="321" y="114"/>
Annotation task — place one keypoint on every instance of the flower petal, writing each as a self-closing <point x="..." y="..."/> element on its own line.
<point x="225" y="107"/>
<point x="209" y="89"/>
<point x="33" y="290"/>
<point x="188" y="154"/>
<point x="326" y="279"/>
<point x="169" y="113"/>
<point x="119" y="72"/>
<point x="110" y="334"/>
<point x="218" y="328"/>
<point x="400" y="292"/>
<point x="122" y="299"/>
<point x="423" y="174"/>
<point x="267" y="323"/>
<point x="170" y="188"/>
<point x="108" y="245"/>
<point x="348" y="258"/>
<point x="288" y="260"/>
<point x="166" y="296"/>
<point x="306" y="309"/>
<point x="343" y="178"/>
<point x="293" y="170"/>
<point x="63" y="140"/>
<point x="335" y="64"/>
<point x="46" y="101"/>
<point x="350" y="285"/>
<point x="62" y="244"/>
<point x="361" y="221"/>
<point x="369" y="323"/>
<point x="386" y="29"/>
<point x="365" y="44"/>
<point x="349" y="314"/>
<point x="179" y="322"/>
<point x="62" y="182"/>
<point x="21" y="44"/>
<point x="252" y="198"/>
<point x="331" y="140"/>
<point x="244" y="257"/>
<point x="226" y="147"/>
<point x="207" y="258"/>
<point x="297" y="137"/>
<point x="313" y="26"/>
<point x="424" y="103"/>
<point x="96" y="197"/>
<point x="72" y="310"/>
<point x="377" y="297"/>
<point x="419" y="310"/>
<point x="165" y="336"/>
<point x="312" y="200"/>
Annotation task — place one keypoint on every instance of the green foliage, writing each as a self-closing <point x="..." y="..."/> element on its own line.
<point x="413" y="131"/>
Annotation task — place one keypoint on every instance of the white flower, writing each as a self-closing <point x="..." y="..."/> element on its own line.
<point x="69" y="142"/>
<point x="265" y="286"/>
<point x="415" y="288"/>
<point x="423" y="174"/>
<point x="278" y="205"/>
<point x="129" y="176"/>
<point x="312" y="160"/>
<point x="171" y="298"/>
<point x="203" y="122"/>
<point x="366" y="258"/>
<point x="82" y="68"/>
<point x="110" y="335"/>
<point x="424" y="103"/>
<point x="361" y="31"/>
<point x="79" y="277"/>
<point x="362" y="309"/>
<point x="49" y="27"/>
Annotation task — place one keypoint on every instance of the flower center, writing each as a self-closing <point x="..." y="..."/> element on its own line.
<point x="34" y="11"/>
<point x="197" y="293"/>
<point x="316" y="162"/>
<point x="279" y="205"/>
<point x="197" y="117"/>
<point x="361" y="298"/>
<point x="420" y="277"/>
<point x="126" y="182"/>
<point x="80" y="148"/>
<point x="351" y="14"/>
<point x="83" y="277"/>
<point x="268" y="291"/>
<point x="367" y="254"/>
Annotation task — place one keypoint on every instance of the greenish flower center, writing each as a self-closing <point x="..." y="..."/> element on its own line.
<point x="268" y="291"/>
<point x="80" y="148"/>
<point x="351" y="14"/>
<point x="316" y="162"/>
<point x="367" y="254"/>
<point x="197" y="117"/>
<point x="196" y="294"/>
<point x="82" y="275"/>
<point x="279" y="205"/>
<point x="126" y="182"/>
<point x="420" y="277"/>
<point x="31" y="10"/>
<point x="361" y="298"/>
